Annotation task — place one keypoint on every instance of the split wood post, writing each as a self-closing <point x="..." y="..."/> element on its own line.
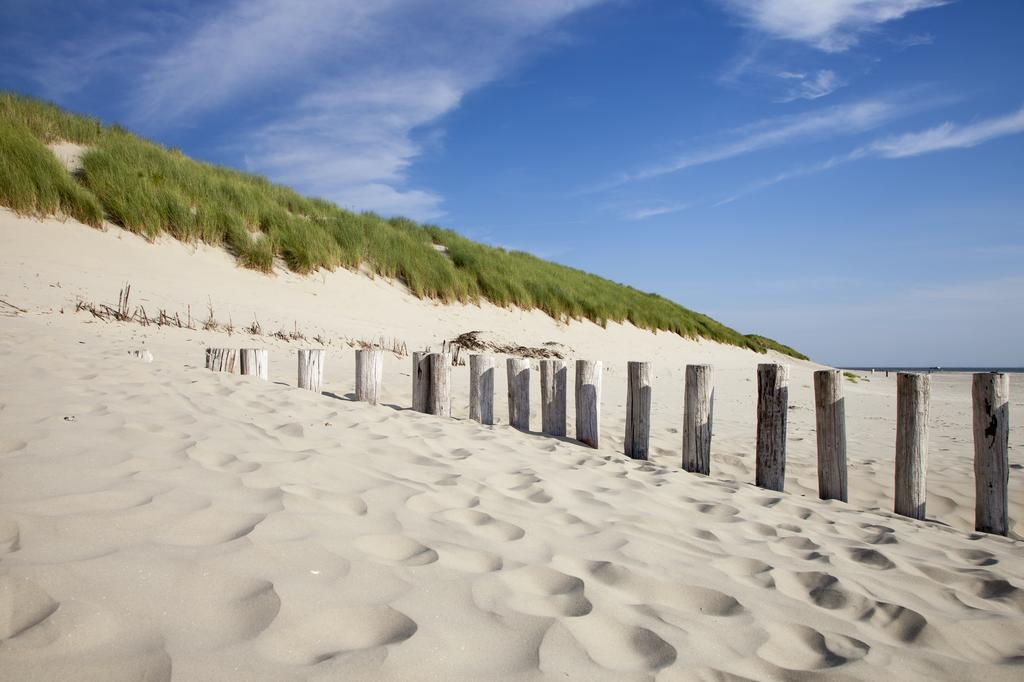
<point x="991" y="396"/>
<point x="254" y="362"/>
<point x="143" y="355"/>
<point x="481" y="388"/>
<point x="440" y="391"/>
<point x="421" y="381"/>
<point x="912" y="397"/>
<point x="588" y="402"/>
<point x="698" y="410"/>
<point x="830" y="426"/>
<point x="552" y="396"/>
<point x="638" y="410"/>
<point x="311" y="368"/>
<point x="220" y="359"/>
<point x="772" y="404"/>
<point x="519" y="393"/>
<point x="369" y="374"/>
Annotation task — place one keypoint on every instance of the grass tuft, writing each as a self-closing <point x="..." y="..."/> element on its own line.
<point x="152" y="190"/>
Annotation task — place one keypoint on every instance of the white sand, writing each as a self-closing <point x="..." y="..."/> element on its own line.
<point x="159" y="518"/>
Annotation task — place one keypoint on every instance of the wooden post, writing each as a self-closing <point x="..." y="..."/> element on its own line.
<point x="772" y="403"/>
<point x="220" y="359"/>
<point x="830" y="421"/>
<point x="421" y="381"/>
<point x="142" y="354"/>
<point x="552" y="396"/>
<point x="311" y="368"/>
<point x="369" y="373"/>
<point x="912" y="397"/>
<point x="253" y="362"/>
<point x="991" y="394"/>
<point x="481" y="388"/>
<point x="698" y="409"/>
<point x="638" y="410"/>
<point x="519" y="393"/>
<point x="588" y="402"/>
<point x="440" y="395"/>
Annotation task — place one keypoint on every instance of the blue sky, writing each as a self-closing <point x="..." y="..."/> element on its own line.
<point x="844" y="175"/>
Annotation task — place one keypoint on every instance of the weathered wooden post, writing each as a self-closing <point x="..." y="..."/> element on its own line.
<point x="254" y="362"/>
<point x="698" y="410"/>
<point x="830" y="422"/>
<point x="588" y="402"/>
<point x="369" y="374"/>
<point x="439" y="401"/>
<point x="220" y="359"/>
<point x="481" y="388"/>
<point x="421" y="381"/>
<point x="519" y="393"/>
<point x="638" y="410"/>
<point x="991" y="396"/>
<point x="142" y="354"/>
<point x="552" y="397"/>
<point x="772" y="403"/>
<point x="912" y="398"/>
<point x="311" y="368"/>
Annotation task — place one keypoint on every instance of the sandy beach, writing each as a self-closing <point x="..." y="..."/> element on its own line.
<point x="158" y="519"/>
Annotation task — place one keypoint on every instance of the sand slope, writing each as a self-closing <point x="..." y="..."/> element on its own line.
<point x="159" y="519"/>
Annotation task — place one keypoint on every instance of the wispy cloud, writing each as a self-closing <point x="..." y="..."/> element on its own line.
<point x="948" y="136"/>
<point x="942" y="137"/>
<point x="652" y="211"/>
<point x="845" y="119"/>
<point x="822" y="83"/>
<point x="334" y="97"/>
<point x="829" y="25"/>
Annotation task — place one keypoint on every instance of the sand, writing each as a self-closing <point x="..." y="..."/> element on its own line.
<point x="160" y="520"/>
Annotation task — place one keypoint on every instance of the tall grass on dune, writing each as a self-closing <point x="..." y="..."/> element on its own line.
<point x="152" y="190"/>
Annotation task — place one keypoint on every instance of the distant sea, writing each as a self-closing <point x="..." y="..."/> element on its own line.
<point x="972" y="370"/>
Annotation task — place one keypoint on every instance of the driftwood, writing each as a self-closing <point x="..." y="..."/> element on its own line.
<point x="552" y="397"/>
<point x="254" y="362"/>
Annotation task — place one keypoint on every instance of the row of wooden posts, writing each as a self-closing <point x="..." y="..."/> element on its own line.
<point x="431" y="393"/>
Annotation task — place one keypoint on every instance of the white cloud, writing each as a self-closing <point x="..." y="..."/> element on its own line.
<point x="939" y="138"/>
<point x="343" y="88"/>
<point x="822" y="83"/>
<point x="846" y="119"/>
<point x="948" y="136"/>
<point x="829" y="25"/>
<point x="652" y="211"/>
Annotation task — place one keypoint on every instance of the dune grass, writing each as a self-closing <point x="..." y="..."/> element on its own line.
<point x="149" y="189"/>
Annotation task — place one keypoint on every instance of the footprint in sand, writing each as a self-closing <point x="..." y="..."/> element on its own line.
<point x="307" y="499"/>
<point x="9" y="534"/>
<point x="322" y="635"/>
<point x="395" y="549"/>
<point x="208" y="526"/>
<point x="542" y="591"/>
<point x="23" y="604"/>
<point x="620" y="646"/>
<point x="482" y="524"/>
<point x="798" y="647"/>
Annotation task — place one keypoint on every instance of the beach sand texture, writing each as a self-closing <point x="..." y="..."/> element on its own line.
<point x="159" y="520"/>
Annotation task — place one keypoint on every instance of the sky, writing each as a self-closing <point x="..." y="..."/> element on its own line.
<point x="846" y="176"/>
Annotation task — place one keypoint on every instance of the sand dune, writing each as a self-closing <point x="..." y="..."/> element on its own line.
<point x="161" y="520"/>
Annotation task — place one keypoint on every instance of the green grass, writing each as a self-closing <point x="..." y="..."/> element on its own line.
<point x="149" y="189"/>
<point x="851" y="377"/>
